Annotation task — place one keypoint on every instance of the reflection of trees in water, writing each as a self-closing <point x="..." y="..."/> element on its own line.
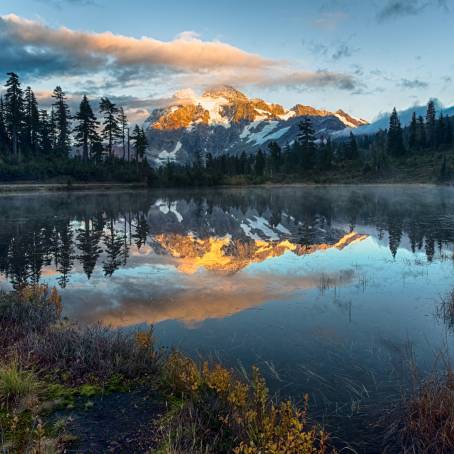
<point x="88" y="238"/>
<point x="62" y="231"/>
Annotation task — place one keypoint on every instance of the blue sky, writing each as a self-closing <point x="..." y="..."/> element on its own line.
<point x="362" y="56"/>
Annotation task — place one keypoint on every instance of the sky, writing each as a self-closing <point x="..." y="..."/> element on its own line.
<point x="364" y="57"/>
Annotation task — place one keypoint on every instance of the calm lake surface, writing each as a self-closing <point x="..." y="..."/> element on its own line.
<point x="330" y="290"/>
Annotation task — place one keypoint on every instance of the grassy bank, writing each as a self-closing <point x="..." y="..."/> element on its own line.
<point x="49" y="365"/>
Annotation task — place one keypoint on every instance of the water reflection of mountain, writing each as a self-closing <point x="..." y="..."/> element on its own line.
<point x="220" y="230"/>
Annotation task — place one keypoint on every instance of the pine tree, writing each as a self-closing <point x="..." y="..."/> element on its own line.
<point x="14" y="112"/>
<point x="111" y="129"/>
<point x="448" y="132"/>
<point x="422" y="137"/>
<point x="62" y="117"/>
<point x="275" y="156"/>
<point x="352" y="148"/>
<point x="31" y="121"/>
<point x="306" y="142"/>
<point x="53" y="129"/>
<point x="97" y="151"/>
<point x="139" y="141"/>
<point x="326" y="155"/>
<point x="441" y="131"/>
<point x="86" y="132"/>
<point x="44" y="137"/>
<point x="244" y="164"/>
<point x="395" y="139"/>
<point x="413" y="135"/>
<point x="4" y="143"/>
<point x="123" y="121"/>
<point x="431" y="131"/>
<point x="259" y="163"/>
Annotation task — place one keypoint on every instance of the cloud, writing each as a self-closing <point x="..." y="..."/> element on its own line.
<point x="63" y="3"/>
<point x="35" y="49"/>
<point x="185" y="52"/>
<point x="318" y="79"/>
<point x="334" y="51"/>
<point x="401" y="8"/>
<point x="343" y="51"/>
<point x="412" y="84"/>
<point x="330" y="20"/>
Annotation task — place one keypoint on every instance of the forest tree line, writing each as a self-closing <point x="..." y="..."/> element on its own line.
<point x="56" y="141"/>
<point x="372" y="155"/>
<point x="40" y="144"/>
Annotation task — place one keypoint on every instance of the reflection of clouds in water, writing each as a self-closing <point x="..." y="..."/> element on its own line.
<point x="129" y="300"/>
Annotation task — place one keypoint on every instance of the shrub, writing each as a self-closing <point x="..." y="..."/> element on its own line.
<point x="223" y="414"/>
<point x="16" y="385"/>
<point x="92" y="352"/>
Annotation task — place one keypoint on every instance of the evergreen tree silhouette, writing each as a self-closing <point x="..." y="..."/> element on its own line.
<point x="88" y="239"/>
<point x="14" y="112"/>
<point x="395" y="137"/>
<point x="413" y="133"/>
<point x="431" y="127"/>
<point x="86" y="130"/>
<point x="306" y="142"/>
<point x="111" y="128"/>
<point x="62" y="117"/>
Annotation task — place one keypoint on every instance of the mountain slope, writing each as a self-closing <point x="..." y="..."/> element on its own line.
<point x="224" y="120"/>
<point x="382" y="120"/>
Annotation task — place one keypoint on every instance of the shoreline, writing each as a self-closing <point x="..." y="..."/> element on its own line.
<point x="81" y="187"/>
<point x="62" y="187"/>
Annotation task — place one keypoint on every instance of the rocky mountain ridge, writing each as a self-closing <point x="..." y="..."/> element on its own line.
<point x="224" y="120"/>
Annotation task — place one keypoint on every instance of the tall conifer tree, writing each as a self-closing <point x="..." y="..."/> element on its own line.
<point x="86" y="132"/>
<point x="111" y="129"/>
<point x="395" y="137"/>
<point x="14" y="112"/>
<point x="61" y="121"/>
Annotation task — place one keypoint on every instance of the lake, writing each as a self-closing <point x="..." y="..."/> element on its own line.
<point x="331" y="291"/>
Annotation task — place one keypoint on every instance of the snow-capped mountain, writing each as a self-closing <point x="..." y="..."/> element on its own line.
<point x="224" y="120"/>
<point x="382" y="121"/>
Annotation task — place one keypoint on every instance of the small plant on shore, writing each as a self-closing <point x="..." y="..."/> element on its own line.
<point x="16" y="385"/>
<point x="220" y="413"/>
<point x="427" y="424"/>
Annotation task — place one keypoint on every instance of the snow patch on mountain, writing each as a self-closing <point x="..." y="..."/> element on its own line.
<point x="165" y="155"/>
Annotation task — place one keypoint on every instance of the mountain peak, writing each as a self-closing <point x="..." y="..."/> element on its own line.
<point x="225" y="91"/>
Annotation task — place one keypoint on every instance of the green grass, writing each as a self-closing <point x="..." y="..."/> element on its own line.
<point x="16" y="384"/>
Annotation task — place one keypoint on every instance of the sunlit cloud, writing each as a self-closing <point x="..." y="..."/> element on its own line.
<point x="41" y="51"/>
